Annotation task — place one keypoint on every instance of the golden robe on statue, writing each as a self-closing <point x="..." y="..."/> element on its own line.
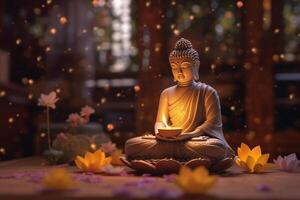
<point x="196" y="109"/>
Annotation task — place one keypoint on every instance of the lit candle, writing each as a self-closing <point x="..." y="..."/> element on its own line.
<point x="169" y="131"/>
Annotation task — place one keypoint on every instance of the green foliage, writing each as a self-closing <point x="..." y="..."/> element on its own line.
<point x="72" y="145"/>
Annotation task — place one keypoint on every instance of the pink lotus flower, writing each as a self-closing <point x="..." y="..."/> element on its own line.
<point x="74" y="119"/>
<point x="109" y="169"/>
<point x="87" y="111"/>
<point x="108" y="147"/>
<point x="287" y="163"/>
<point x="48" y="100"/>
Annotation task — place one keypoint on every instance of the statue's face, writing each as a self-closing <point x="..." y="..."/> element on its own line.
<point x="182" y="69"/>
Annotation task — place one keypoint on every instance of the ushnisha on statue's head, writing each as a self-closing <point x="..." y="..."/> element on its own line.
<point x="184" y="61"/>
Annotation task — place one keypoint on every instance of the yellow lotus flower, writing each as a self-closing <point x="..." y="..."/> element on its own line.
<point x="251" y="160"/>
<point x="115" y="158"/>
<point x="197" y="181"/>
<point x="92" y="162"/>
<point x="59" y="179"/>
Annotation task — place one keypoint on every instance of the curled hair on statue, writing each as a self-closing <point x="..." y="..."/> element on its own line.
<point x="184" y="49"/>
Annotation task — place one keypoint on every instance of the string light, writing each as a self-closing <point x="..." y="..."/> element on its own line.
<point x="2" y="93"/>
<point x="291" y="96"/>
<point x="63" y="20"/>
<point x="30" y="96"/>
<point x="239" y="4"/>
<point x="137" y="88"/>
<point x="103" y="100"/>
<point x="93" y="146"/>
<point x="110" y="127"/>
<point x="30" y="81"/>
<point x="18" y="41"/>
<point x="232" y="108"/>
<point x="10" y="120"/>
<point x="176" y="32"/>
<point x="2" y="150"/>
<point x="53" y="31"/>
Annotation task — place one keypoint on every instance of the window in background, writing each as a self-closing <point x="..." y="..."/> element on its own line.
<point x="113" y="34"/>
<point x="291" y="14"/>
<point x="287" y="72"/>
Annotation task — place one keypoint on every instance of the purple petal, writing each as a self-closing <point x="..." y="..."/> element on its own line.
<point x="146" y="181"/>
<point x="130" y="184"/>
<point x="36" y="176"/>
<point x="283" y="164"/>
<point x="263" y="188"/>
<point x="169" y="177"/>
<point x="122" y="192"/>
<point x="290" y="157"/>
<point x="87" y="178"/>
<point x="163" y="192"/>
<point x="292" y="165"/>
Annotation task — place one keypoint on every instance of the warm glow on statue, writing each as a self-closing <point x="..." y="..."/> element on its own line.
<point x="188" y="128"/>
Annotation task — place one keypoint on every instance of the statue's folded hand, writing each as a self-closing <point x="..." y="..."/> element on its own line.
<point x="181" y="137"/>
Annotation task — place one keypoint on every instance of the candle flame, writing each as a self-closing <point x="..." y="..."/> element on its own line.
<point x="165" y="121"/>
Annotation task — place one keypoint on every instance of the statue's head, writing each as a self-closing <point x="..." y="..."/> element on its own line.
<point x="184" y="61"/>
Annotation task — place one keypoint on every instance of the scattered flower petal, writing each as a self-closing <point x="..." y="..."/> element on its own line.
<point x="122" y="192"/>
<point x="36" y="177"/>
<point x="146" y="181"/>
<point x="163" y="193"/>
<point x="170" y="177"/>
<point x="89" y="178"/>
<point x="263" y="188"/>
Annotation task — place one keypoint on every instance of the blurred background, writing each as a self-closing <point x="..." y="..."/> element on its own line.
<point x="113" y="56"/>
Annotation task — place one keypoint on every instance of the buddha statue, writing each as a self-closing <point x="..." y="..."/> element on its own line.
<point x="195" y="108"/>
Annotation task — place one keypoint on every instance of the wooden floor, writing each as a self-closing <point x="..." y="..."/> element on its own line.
<point x="235" y="184"/>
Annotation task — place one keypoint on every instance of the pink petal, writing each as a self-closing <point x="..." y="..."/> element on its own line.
<point x="291" y="165"/>
<point x="283" y="164"/>
<point x="290" y="157"/>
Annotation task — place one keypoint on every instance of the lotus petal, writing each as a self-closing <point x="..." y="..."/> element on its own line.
<point x="250" y="163"/>
<point x="244" y="152"/>
<point x="194" y="163"/>
<point x="263" y="159"/>
<point x="143" y="166"/>
<point x="168" y="165"/>
<point x="255" y="152"/>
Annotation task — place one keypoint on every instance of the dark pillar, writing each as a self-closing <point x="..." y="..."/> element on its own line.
<point x="259" y="75"/>
<point x="152" y="55"/>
